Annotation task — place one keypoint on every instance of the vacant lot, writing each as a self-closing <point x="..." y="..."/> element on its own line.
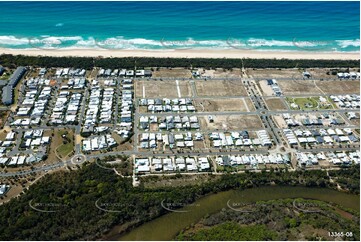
<point x="220" y="105"/>
<point x="66" y="142"/>
<point x="274" y="73"/>
<point x="265" y="88"/>
<point x="172" y="73"/>
<point x="280" y="122"/>
<point x="57" y="147"/>
<point x="220" y="88"/>
<point x="292" y="87"/>
<point x="162" y="89"/>
<point x="275" y="104"/>
<point x="339" y="87"/>
<point x="231" y="122"/>
<point x="220" y="73"/>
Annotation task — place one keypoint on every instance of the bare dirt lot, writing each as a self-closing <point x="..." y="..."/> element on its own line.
<point x="220" y="88"/>
<point x="279" y="121"/>
<point x="339" y="87"/>
<point x="265" y="89"/>
<point x="275" y="104"/>
<point x="220" y="105"/>
<point x="162" y="89"/>
<point x="274" y="73"/>
<point x="231" y="122"/>
<point x="292" y="87"/>
<point x="172" y="73"/>
<point x="221" y="73"/>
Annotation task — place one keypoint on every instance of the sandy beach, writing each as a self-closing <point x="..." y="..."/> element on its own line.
<point x="189" y="53"/>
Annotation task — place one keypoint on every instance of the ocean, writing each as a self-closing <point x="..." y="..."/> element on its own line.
<point x="264" y="26"/>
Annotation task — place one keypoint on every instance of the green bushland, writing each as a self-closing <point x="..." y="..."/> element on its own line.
<point x="275" y="220"/>
<point x="73" y="194"/>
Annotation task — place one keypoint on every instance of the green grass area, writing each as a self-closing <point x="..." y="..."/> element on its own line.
<point x="309" y="103"/>
<point x="306" y="103"/>
<point x="67" y="147"/>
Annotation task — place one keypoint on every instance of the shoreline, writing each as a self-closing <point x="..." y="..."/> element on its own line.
<point x="188" y="53"/>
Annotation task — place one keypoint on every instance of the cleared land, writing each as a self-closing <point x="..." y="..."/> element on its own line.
<point x="162" y="89"/>
<point x="221" y="105"/>
<point x="296" y="87"/>
<point x="220" y="88"/>
<point x="339" y="87"/>
<point x="275" y="104"/>
<point x="231" y="122"/>
<point x="221" y="73"/>
<point x="274" y="73"/>
<point x="280" y="122"/>
<point x="172" y="73"/>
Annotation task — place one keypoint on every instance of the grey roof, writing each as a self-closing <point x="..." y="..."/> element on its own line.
<point x="147" y="72"/>
<point x="7" y="95"/>
<point x="2" y="69"/>
<point x="16" y="76"/>
<point x="3" y="83"/>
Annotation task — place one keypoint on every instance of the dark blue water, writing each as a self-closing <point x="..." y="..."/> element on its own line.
<point x="319" y="26"/>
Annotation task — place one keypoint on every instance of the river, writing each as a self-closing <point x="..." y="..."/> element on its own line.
<point x="168" y="226"/>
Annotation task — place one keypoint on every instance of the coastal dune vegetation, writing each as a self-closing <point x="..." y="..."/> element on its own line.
<point x="12" y="61"/>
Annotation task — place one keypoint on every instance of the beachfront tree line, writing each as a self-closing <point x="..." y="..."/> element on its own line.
<point x="143" y="62"/>
<point x="73" y="196"/>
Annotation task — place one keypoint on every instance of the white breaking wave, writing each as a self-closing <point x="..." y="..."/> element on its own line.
<point x="347" y="43"/>
<point x="119" y="42"/>
<point x="269" y="43"/>
<point x="12" y="40"/>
